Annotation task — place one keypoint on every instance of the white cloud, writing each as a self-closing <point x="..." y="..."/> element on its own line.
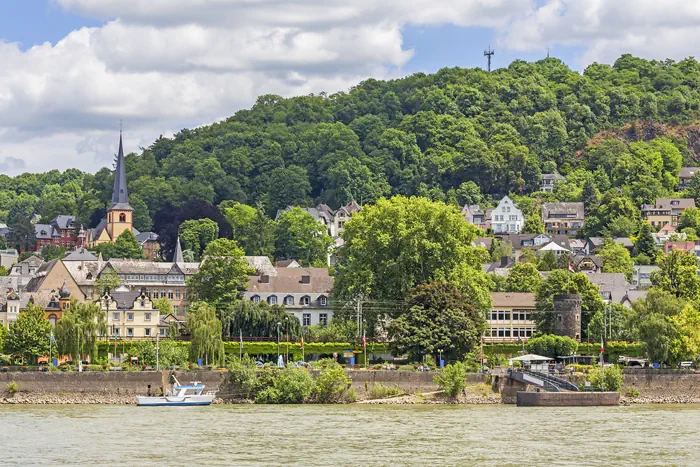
<point x="161" y="65"/>
<point x="605" y="29"/>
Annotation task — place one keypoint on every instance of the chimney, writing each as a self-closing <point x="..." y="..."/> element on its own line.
<point x="504" y="261"/>
<point x="264" y="279"/>
<point x="305" y="279"/>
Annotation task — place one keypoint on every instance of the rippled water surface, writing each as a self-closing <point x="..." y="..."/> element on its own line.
<point x="349" y="435"/>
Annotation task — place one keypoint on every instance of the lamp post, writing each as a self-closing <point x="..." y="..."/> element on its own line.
<point x="286" y="332"/>
<point x="440" y="362"/>
<point x="278" y="340"/>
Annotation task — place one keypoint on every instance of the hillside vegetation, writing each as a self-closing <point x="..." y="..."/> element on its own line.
<point x="459" y="135"/>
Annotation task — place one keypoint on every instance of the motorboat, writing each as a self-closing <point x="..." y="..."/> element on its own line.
<point x="180" y="395"/>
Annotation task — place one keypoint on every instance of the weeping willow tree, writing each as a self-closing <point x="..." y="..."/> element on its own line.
<point x="205" y="329"/>
<point x="259" y="320"/>
<point x="78" y="329"/>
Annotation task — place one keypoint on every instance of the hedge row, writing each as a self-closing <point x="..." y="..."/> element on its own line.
<point x="612" y="349"/>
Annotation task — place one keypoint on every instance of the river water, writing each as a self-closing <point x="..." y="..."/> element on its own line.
<point x="349" y="435"/>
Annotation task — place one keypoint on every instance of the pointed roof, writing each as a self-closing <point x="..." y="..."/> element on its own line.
<point x="120" y="194"/>
<point x="178" y="257"/>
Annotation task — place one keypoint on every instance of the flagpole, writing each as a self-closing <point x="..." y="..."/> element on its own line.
<point x="240" y="343"/>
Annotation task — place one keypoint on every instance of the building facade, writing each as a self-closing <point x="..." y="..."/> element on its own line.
<point x="563" y="218"/>
<point x="506" y="218"/>
<point x="547" y="181"/>
<point x="304" y="292"/>
<point x="511" y="318"/>
<point x="130" y="314"/>
<point x="685" y="176"/>
<point x="61" y="231"/>
<point x="666" y="211"/>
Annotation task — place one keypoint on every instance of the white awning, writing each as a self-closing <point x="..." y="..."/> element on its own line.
<point x="531" y="358"/>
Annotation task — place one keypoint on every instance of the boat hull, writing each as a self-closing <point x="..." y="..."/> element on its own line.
<point x="174" y="401"/>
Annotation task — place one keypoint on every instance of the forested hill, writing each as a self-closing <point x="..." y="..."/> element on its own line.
<point x="459" y="135"/>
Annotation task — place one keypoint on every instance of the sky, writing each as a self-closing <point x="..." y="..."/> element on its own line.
<point x="72" y="70"/>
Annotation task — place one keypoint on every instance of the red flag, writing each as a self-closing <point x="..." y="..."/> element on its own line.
<point x="571" y="267"/>
<point x="602" y="347"/>
<point x="364" y="340"/>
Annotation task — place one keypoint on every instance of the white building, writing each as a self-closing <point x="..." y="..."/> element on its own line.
<point x="506" y="218"/>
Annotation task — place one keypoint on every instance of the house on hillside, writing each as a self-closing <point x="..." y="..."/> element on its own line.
<point x="641" y="278"/>
<point x="534" y="242"/>
<point x="547" y="181"/>
<point x="61" y="231"/>
<point x="666" y="211"/>
<point x="506" y="218"/>
<point x="475" y="215"/>
<point x="685" y="176"/>
<point x="131" y="314"/>
<point x="563" y="218"/>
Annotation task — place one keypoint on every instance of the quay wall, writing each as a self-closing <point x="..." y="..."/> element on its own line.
<point x="561" y="399"/>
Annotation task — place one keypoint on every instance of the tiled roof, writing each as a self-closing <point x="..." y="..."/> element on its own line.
<point x="624" y="241"/>
<point x="549" y="209"/>
<point x="291" y="282"/>
<point x="35" y="282"/>
<point x="512" y="299"/>
<point x="552" y="177"/>
<point x="80" y="254"/>
<point x="666" y="204"/>
<point x="64" y="222"/>
<point x="688" y="172"/>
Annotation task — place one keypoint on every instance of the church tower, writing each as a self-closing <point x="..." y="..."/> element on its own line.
<point x="120" y="213"/>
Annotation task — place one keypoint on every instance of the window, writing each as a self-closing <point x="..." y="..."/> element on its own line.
<point x="306" y="319"/>
<point x="52" y="320"/>
<point x="176" y="308"/>
<point x="289" y="300"/>
<point x="507" y="315"/>
<point x="272" y="299"/>
<point x="170" y="295"/>
<point x="116" y="332"/>
<point x="323" y="319"/>
<point x="177" y="294"/>
<point x="115" y="316"/>
<point x="143" y="303"/>
<point x="494" y="332"/>
<point x="305" y="300"/>
<point x="146" y="316"/>
<point x="256" y="298"/>
<point x="161" y="331"/>
<point x="147" y="332"/>
<point x="130" y="332"/>
<point x="162" y="293"/>
<point x="129" y="316"/>
<point x="122" y="217"/>
<point x="323" y="301"/>
<point x="501" y="316"/>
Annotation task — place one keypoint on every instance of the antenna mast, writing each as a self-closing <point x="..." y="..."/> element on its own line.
<point x="488" y="53"/>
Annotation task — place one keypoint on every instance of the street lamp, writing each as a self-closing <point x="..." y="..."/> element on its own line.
<point x="440" y="362"/>
<point x="286" y="327"/>
<point x="278" y="341"/>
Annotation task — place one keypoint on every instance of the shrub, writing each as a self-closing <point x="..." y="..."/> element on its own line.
<point x="294" y="385"/>
<point x="145" y="351"/>
<point x="379" y="391"/>
<point x="268" y="395"/>
<point x="407" y="368"/>
<point x="517" y="364"/>
<point x="242" y="376"/>
<point x="95" y="368"/>
<point x="452" y="379"/>
<point x="632" y="392"/>
<point x="552" y="346"/>
<point x="350" y="396"/>
<point x="331" y="385"/>
<point x="12" y="387"/>
<point x="610" y="380"/>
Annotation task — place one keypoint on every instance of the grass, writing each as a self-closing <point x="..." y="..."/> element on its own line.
<point x="379" y="391"/>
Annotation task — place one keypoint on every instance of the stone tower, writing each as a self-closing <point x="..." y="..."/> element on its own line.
<point x="120" y="213"/>
<point x="567" y="315"/>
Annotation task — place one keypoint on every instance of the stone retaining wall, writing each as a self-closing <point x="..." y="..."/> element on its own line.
<point x="561" y="399"/>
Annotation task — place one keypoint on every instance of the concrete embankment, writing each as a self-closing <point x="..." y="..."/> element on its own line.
<point x="122" y="387"/>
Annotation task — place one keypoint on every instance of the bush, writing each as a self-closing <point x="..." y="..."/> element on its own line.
<point x="379" y="391"/>
<point x="632" y="392"/>
<point x="145" y="351"/>
<point x="95" y="368"/>
<point x="350" y="396"/>
<point x="289" y="386"/>
<point x="552" y="346"/>
<point x="268" y="396"/>
<point x="331" y="385"/>
<point x="452" y="379"/>
<point x="407" y="368"/>
<point x="242" y="376"/>
<point x="12" y="387"/>
<point x="610" y="380"/>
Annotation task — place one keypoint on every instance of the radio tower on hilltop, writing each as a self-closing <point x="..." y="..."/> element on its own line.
<point x="488" y="53"/>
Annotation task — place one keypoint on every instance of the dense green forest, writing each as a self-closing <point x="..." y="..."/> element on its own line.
<point x="459" y="135"/>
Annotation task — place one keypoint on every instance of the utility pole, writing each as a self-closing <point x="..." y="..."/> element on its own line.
<point x="157" y="348"/>
<point x="488" y="53"/>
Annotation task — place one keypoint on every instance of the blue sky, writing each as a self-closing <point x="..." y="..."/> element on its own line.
<point x="72" y="69"/>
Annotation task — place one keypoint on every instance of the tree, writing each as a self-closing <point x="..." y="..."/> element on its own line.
<point x="690" y="219"/>
<point x="222" y="275"/>
<point x="533" y="224"/>
<point x="77" y="331"/>
<point x="299" y="236"/>
<point x="564" y="282"/>
<point x="258" y="320"/>
<point x="523" y="277"/>
<point x="107" y="281"/>
<point x="547" y="261"/>
<point x="50" y="252"/>
<point x="163" y="306"/>
<point x="205" y="329"/>
<point x="452" y="379"/>
<point x="331" y="384"/>
<point x="654" y="321"/>
<point x="252" y="229"/>
<point x="29" y="335"/>
<point x="616" y="258"/>
<point x="125" y="247"/>
<point x="678" y="275"/>
<point x="196" y="234"/>
<point x="3" y="271"/>
<point x="645" y="244"/>
<point x="549" y="345"/>
<point x="438" y="317"/>
<point x="3" y="339"/>
<point x="287" y="187"/>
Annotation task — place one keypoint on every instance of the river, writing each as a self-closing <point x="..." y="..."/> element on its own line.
<point x="349" y="435"/>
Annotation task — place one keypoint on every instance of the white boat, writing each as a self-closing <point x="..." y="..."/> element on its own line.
<point x="180" y="396"/>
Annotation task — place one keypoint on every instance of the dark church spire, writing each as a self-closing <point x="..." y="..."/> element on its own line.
<point x="120" y="195"/>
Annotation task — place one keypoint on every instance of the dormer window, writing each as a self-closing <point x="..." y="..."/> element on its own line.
<point x="675" y="202"/>
<point x="122" y="217"/>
